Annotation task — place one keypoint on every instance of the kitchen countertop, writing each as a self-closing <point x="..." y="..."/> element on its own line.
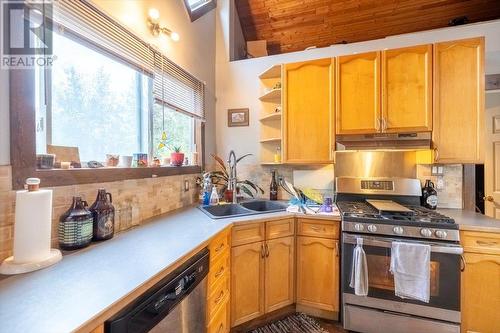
<point x="67" y="296"/>
<point x="471" y="221"/>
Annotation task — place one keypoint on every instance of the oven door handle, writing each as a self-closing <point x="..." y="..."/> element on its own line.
<point x="387" y="243"/>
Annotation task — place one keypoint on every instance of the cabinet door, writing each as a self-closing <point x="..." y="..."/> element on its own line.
<point x="247" y="282"/>
<point x="279" y="290"/>
<point x="308" y="112"/>
<point x="358" y="93"/>
<point x="318" y="273"/>
<point x="481" y="293"/>
<point x="407" y="89"/>
<point x="459" y="101"/>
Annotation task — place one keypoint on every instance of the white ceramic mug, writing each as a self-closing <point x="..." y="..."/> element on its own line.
<point x="125" y="161"/>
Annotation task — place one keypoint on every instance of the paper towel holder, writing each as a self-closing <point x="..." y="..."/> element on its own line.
<point x="10" y="267"/>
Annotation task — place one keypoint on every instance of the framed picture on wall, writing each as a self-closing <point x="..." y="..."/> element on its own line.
<point x="238" y="117"/>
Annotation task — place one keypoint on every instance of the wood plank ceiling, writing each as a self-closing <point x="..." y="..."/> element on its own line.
<point x="293" y="25"/>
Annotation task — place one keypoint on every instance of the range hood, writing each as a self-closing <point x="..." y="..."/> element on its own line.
<point x="384" y="141"/>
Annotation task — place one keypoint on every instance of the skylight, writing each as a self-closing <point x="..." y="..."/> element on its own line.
<point x="198" y="8"/>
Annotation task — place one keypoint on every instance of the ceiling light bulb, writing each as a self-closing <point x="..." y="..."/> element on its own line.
<point x="175" y="36"/>
<point x="154" y="14"/>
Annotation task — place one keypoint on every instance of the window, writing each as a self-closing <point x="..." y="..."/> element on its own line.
<point x="102" y="105"/>
<point x="198" y="8"/>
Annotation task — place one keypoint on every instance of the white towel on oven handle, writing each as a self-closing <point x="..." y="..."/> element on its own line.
<point x="410" y="265"/>
<point x="359" y="271"/>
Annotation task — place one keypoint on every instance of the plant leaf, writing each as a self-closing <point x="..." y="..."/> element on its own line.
<point x="242" y="157"/>
<point x="247" y="191"/>
<point x="256" y="187"/>
<point x="161" y="145"/>
<point x="221" y="163"/>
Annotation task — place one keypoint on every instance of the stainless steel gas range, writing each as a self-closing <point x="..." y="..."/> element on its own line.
<point x="381" y="211"/>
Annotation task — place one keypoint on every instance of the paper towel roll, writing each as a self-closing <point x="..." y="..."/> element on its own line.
<point x="32" y="228"/>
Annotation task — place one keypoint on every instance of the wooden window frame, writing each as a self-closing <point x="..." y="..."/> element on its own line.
<point x="23" y="146"/>
<point x="194" y="15"/>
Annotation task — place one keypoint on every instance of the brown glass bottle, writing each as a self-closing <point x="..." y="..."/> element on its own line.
<point x="103" y="213"/>
<point x="75" y="226"/>
<point x="273" y="188"/>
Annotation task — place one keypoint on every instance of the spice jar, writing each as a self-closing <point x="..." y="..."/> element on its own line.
<point x="103" y="213"/>
<point x="75" y="226"/>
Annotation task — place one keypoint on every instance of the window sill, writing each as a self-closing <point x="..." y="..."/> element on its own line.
<point x="66" y="177"/>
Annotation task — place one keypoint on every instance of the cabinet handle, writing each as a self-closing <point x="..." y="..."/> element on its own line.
<point x="220" y="272"/>
<point x="486" y="243"/>
<point x="267" y="250"/>
<point x="377" y="124"/>
<point x="384" y="124"/>
<point x="315" y="228"/>
<point x="436" y="154"/>
<point x="217" y="300"/>
<point x="221" y="328"/>
<point x="462" y="263"/>
<point x="220" y="247"/>
<point x="262" y="251"/>
<point x="336" y="249"/>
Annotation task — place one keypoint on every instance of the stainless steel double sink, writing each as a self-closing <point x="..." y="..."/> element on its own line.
<point x="245" y="208"/>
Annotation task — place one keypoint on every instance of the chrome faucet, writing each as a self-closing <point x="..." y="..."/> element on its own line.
<point x="232" y="161"/>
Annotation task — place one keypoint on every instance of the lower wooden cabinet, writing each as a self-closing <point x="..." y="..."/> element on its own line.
<point x="480" y="304"/>
<point x="247" y="282"/>
<point x="318" y="273"/>
<point x="279" y="273"/>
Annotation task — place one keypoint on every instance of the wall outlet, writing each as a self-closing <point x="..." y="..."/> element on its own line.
<point x="186" y="185"/>
<point x="440" y="183"/>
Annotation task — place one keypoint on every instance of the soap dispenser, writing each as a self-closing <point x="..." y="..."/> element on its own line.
<point x="214" y="197"/>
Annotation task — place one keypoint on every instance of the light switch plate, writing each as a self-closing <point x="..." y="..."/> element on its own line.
<point x="440" y="183"/>
<point x="186" y="185"/>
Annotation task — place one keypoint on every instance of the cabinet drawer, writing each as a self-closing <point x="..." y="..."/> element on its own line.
<point x="480" y="242"/>
<point x="218" y="271"/>
<point x="280" y="228"/>
<point x="219" y="245"/>
<point x="219" y="323"/>
<point x="318" y="228"/>
<point x="248" y="233"/>
<point x="217" y="297"/>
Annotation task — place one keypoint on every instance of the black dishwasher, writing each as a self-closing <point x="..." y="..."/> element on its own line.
<point x="176" y="304"/>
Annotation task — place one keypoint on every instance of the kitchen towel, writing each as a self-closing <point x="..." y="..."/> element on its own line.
<point x="359" y="271"/>
<point x="410" y="265"/>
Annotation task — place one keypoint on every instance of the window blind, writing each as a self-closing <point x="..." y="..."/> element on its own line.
<point x="177" y="88"/>
<point x="87" y="21"/>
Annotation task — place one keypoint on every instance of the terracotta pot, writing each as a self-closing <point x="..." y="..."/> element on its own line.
<point x="176" y="159"/>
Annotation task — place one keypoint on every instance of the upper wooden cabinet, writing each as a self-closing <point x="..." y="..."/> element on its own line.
<point x="407" y="89"/>
<point x="308" y="132"/>
<point x="357" y="93"/>
<point x="459" y="101"/>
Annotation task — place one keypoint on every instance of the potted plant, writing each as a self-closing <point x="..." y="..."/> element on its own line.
<point x="221" y="177"/>
<point x="177" y="158"/>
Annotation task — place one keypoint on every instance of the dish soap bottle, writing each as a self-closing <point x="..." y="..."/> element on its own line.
<point x="214" y="197"/>
<point x="103" y="213"/>
<point x="429" y="195"/>
<point x="75" y="226"/>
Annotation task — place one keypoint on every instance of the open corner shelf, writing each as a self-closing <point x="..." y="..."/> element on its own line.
<point x="273" y="95"/>
<point x="273" y="72"/>
<point x="270" y="140"/>
<point x="493" y="91"/>
<point x="271" y="116"/>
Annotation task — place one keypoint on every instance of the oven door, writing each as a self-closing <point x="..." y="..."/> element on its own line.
<point x="444" y="303"/>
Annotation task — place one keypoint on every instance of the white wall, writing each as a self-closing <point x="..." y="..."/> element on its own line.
<point x="195" y="52"/>
<point x="4" y="118"/>
<point x="238" y="85"/>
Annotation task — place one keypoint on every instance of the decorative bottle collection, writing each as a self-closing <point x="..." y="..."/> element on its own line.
<point x="429" y="195"/>
<point x="81" y="224"/>
<point x="104" y="216"/>
<point x="75" y="226"/>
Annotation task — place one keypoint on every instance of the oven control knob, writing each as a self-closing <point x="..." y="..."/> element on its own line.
<point x="398" y="230"/>
<point x="372" y="228"/>
<point x="441" y="234"/>
<point x="359" y="227"/>
<point x="426" y="232"/>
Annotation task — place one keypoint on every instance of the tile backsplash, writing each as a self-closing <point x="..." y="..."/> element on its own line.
<point x="135" y="202"/>
<point x="450" y="196"/>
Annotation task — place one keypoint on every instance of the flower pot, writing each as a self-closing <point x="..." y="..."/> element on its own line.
<point x="176" y="159"/>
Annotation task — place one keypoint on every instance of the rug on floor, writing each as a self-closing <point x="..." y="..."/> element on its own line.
<point x="296" y="323"/>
